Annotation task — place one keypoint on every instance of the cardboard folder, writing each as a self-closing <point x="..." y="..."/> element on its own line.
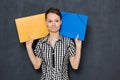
<point x="31" y="27"/>
<point x="35" y="27"/>
<point x="73" y="25"/>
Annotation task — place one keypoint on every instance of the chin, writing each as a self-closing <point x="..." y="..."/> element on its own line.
<point x="54" y="31"/>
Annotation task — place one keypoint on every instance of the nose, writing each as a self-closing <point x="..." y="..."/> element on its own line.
<point x="53" y="23"/>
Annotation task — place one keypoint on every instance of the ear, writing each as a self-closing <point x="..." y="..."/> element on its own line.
<point x="61" y="22"/>
<point x="46" y="22"/>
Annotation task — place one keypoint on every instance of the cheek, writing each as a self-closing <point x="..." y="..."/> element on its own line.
<point x="48" y="24"/>
<point x="59" y="26"/>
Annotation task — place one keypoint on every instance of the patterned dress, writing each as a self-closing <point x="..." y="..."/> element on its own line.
<point x="55" y="60"/>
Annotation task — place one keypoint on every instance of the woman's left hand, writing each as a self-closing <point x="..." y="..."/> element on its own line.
<point x="78" y="42"/>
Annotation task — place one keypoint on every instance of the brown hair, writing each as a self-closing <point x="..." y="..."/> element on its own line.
<point x="53" y="10"/>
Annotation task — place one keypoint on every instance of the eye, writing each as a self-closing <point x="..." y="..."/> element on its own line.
<point x="49" y="21"/>
<point x="57" y="20"/>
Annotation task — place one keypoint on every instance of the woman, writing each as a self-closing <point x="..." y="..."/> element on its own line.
<point x="54" y="51"/>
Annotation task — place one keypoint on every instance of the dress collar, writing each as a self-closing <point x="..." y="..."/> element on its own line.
<point x="45" y="39"/>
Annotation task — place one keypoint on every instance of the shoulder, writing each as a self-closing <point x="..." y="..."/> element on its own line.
<point x="41" y="40"/>
<point x="67" y="39"/>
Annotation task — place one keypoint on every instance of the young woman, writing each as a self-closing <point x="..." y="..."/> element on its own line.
<point x="54" y="51"/>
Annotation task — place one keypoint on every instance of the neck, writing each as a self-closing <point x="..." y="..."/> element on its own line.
<point x="54" y="36"/>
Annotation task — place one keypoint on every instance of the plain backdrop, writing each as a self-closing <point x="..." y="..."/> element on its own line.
<point x="100" y="58"/>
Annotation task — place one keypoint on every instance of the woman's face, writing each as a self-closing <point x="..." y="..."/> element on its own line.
<point x="53" y="22"/>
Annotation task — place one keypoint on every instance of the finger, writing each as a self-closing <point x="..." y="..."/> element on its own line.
<point x="77" y="37"/>
<point x="29" y="39"/>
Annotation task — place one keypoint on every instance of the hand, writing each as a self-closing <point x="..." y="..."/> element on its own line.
<point x="29" y="43"/>
<point x="78" y="42"/>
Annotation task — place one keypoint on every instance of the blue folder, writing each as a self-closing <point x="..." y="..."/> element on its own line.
<point x="73" y="25"/>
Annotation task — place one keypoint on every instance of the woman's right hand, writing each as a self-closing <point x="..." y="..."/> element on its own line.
<point x="29" y="43"/>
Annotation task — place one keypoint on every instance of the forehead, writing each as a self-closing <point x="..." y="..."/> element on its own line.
<point x="52" y="16"/>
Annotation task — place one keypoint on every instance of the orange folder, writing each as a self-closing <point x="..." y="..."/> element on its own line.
<point x="31" y="27"/>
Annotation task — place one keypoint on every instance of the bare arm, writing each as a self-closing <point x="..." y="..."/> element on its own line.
<point x="36" y="61"/>
<point x="75" y="60"/>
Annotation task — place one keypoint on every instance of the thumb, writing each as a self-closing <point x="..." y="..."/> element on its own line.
<point x="77" y="37"/>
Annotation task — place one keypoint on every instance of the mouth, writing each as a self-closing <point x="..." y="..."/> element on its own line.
<point x="54" y="27"/>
